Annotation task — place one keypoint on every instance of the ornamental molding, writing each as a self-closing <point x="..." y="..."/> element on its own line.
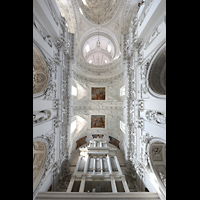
<point x="154" y="35"/>
<point x="101" y="31"/>
<point x="84" y="28"/>
<point x="50" y="72"/>
<point x="145" y="11"/>
<point x="113" y="25"/>
<point x="98" y="81"/>
<point x="105" y="22"/>
<point x="106" y="72"/>
<point x="53" y="12"/>
<point x="160" y="52"/>
<point x="129" y="12"/>
<point x="67" y="11"/>
<point x="40" y="72"/>
<point x="81" y="63"/>
<point x="41" y="30"/>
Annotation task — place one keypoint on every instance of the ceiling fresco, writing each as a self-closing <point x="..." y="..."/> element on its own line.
<point x="98" y="12"/>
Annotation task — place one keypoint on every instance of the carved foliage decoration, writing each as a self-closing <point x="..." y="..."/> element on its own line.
<point x="157" y="153"/>
<point x="40" y="72"/>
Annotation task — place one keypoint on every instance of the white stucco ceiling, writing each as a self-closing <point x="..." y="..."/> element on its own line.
<point x="90" y="20"/>
<point x="99" y="12"/>
<point x="98" y="55"/>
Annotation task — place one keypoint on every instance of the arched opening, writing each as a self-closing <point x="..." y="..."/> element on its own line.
<point x="40" y="72"/>
<point x="157" y="74"/>
<point x="157" y="156"/>
<point x="39" y="159"/>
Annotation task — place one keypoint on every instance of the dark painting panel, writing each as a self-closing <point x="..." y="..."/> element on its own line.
<point x="114" y="141"/>
<point x="98" y="93"/>
<point x="81" y="142"/>
<point x="97" y="121"/>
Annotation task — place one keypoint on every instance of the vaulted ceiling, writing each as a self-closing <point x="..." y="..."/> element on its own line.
<point x="99" y="11"/>
<point x="91" y="20"/>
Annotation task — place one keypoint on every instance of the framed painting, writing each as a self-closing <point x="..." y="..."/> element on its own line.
<point x="97" y="121"/>
<point x="81" y="142"/>
<point x="114" y="141"/>
<point x="98" y="93"/>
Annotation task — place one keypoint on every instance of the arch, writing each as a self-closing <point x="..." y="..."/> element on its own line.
<point x="39" y="159"/>
<point x="156" y="151"/>
<point x="156" y="74"/>
<point x="98" y="11"/>
<point x="40" y="72"/>
<point x="102" y="33"/>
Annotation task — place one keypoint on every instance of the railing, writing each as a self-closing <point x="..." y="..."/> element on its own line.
<point x="97" y="195"/>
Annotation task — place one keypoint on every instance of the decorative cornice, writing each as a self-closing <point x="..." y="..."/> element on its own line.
<point x="98" y="80"/>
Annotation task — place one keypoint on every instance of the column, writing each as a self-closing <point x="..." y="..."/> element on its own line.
<point x="125" y="184"/>
<point x="100" y="144"/>
<point x="71" y="184"/>
<point x="118" y="166"/>
<point x="77" y="165"/>
<point x="101" y="163"/>
<point x="82" y="186"/>
<point x="113" y="184"/>
<point x="86" y="164"/>
<point x="109" y="164"/>
<point x="95" y="144"/>
<point x="94" y="158"/>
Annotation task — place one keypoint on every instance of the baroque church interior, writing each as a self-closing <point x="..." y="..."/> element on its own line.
<point x="99" y="99"/>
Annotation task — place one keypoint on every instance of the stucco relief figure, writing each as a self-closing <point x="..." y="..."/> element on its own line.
<point x="38" y="145"/>
<point x="40" y="72"/>
<point x="155" y="116"/>
<point x="157" y="153"/>
<point x="41" y="116"/>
